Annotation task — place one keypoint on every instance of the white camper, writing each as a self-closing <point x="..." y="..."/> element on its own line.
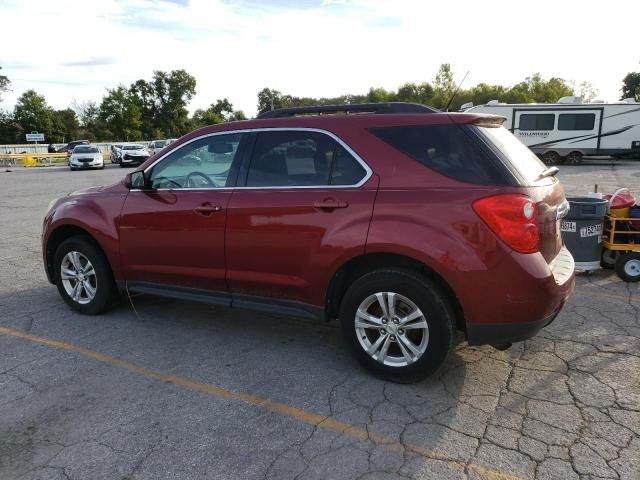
<point x="568" y="130"/>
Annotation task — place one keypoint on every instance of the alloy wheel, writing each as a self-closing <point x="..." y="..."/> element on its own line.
<point x="78" y="277"/>
<point x="391" y="329"/>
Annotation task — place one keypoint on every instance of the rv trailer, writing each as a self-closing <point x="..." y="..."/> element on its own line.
<point x="569" y="130"/>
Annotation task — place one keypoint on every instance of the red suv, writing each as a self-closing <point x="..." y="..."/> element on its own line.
<point x="404" y="222"/>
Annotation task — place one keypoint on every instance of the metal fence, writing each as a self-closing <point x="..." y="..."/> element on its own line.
<point x="104" y="147"/>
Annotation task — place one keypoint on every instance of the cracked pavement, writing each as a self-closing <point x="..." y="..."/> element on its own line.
<point x="252" y="396"/>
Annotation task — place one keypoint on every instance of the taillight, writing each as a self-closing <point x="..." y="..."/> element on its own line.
<point x="513" y="218"/>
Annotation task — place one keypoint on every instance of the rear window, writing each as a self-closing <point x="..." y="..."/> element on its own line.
<point x="447" y="149"/>
<point x="514" y="152"/>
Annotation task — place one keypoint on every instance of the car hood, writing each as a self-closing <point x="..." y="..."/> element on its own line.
<point x="114" y="188"/>
<point x="136" y="153"/>
<point x="86" y="155"/>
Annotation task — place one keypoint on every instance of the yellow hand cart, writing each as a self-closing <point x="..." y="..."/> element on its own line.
<point x="621" y="246"/>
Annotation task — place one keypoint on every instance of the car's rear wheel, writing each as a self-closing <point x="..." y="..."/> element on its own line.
<point x="398" y="323"/>
<point x="83" y="276"/>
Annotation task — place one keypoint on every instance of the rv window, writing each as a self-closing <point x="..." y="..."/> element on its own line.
<point x="537" y="121"/>
<point x="576" y="121"/>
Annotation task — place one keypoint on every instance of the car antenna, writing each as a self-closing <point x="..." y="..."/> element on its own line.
<point x="446" y="109"/>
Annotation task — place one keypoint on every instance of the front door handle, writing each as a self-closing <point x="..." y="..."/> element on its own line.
<point x="330" y="204"/>
<point x="207" y="209"/>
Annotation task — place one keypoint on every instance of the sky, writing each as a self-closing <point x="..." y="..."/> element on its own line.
<point x="76" y="49"/>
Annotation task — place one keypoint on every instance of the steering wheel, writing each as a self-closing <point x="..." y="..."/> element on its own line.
<point x="167" y="179"/>
<point x="187" y="182"/>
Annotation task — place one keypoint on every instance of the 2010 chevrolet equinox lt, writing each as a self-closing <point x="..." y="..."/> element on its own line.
<point x="404" y="222"/>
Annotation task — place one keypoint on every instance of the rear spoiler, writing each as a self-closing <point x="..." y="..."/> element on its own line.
<point x="481" y="120"/>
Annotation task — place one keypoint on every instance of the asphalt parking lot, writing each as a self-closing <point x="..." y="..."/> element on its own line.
<point x="178" y="390"/>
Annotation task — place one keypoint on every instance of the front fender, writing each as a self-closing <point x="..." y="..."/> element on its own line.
<point x="96" y="214"/>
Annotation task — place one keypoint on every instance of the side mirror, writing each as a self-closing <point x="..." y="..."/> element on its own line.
<point x="137" y="180"/>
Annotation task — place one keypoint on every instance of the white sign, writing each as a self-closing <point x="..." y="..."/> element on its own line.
<point x="35" y="137"/>
<point x="591" y="231"/>
<point x="568" y="226"/>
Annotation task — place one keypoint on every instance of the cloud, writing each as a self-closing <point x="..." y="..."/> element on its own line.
<point x="91" y="62"/>
<point x="316" y="48"/>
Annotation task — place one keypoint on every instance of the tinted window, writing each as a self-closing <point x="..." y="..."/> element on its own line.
<point x="516" y="153"/>
<point x="345" y="170"/>
<point x="204" y="163"/>
<point x="301" y="158"/>
<point x="447" y="149"/>
<point x="576" y="121"/>
<point x="537" y="121"/>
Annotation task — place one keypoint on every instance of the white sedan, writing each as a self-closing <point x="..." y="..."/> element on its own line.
<point x="133" y="154"/>
<point x="85" y="157"/>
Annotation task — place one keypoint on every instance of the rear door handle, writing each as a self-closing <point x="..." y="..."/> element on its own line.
<point x="330" y="204"/>
<point x="207" y="209"/>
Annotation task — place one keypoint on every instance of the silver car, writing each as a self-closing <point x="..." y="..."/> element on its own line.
<point x="132" y="154"/>
<point x="85" y="157"/>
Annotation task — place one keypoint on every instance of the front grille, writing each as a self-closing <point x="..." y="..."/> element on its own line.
<point x="85" y="159"/>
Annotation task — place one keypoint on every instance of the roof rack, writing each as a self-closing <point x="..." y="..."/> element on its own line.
<point x="378" y="108"/>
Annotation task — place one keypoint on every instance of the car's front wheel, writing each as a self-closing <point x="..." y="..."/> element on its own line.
<point x="83" y="276"/>
<point x="399" y="324"/>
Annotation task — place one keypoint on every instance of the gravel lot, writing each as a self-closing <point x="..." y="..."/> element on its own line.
<point x="186" y="391"/>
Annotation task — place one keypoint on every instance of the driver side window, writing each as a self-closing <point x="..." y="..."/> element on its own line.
<point x="203" y="163"/>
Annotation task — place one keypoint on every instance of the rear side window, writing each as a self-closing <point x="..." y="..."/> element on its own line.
<point x="576" y="121"/>
<point x="447" y="149"/>
<point x="301" y="158"/>
<point x="537" y="121"/>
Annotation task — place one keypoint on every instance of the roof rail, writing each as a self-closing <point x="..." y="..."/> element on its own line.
<point x="378" y="108"/>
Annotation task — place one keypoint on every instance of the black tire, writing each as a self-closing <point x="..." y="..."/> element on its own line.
<point x="121" y="165"/>
<point x="574" y="158"/>
<point x="426" y="296"/>
<point x="628" y="266"/>
<point x="608" y="259"/>
<point x="106" y="290"/>
<point x="551" y="158"/>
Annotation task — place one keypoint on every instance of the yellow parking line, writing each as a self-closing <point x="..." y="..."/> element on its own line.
<point x="320" y="421"/>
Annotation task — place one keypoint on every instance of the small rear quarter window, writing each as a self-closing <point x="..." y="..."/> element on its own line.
<point x="447" y="149"/>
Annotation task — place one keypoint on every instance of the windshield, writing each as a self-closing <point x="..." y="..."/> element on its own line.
<point x="82" y="149"/>
<point x="132" y="147"/>
<point x="515" y="152"/>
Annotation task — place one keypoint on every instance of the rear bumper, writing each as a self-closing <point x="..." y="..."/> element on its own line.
<point x="532" y="302"/>
<point x="499" y="333"/>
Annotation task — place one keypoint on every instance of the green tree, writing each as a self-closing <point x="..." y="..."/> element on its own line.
<point x="218" y="112"/>
<point x="144" y="94"/>
<point x="5" y="83"/>
<point x="443" y="85"/>
<point x="65" y="126"/>
<point x="631" y="86"/>
<point x="536" y="89"/>
<point x="173" y="91"/>
<point x="10" y="131"/>
<point x="269" y="99"/>
<point x="33" y="114"/>
<point x="121" y="113"/>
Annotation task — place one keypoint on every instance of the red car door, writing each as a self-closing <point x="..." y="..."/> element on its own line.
<point x="304" y="209"/>
<point x="172" y="232"/>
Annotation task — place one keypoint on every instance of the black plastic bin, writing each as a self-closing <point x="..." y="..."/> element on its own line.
<point x="582" y="231"/>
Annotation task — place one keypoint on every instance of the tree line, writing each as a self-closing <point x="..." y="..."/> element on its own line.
<point x="157" y="108"/>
